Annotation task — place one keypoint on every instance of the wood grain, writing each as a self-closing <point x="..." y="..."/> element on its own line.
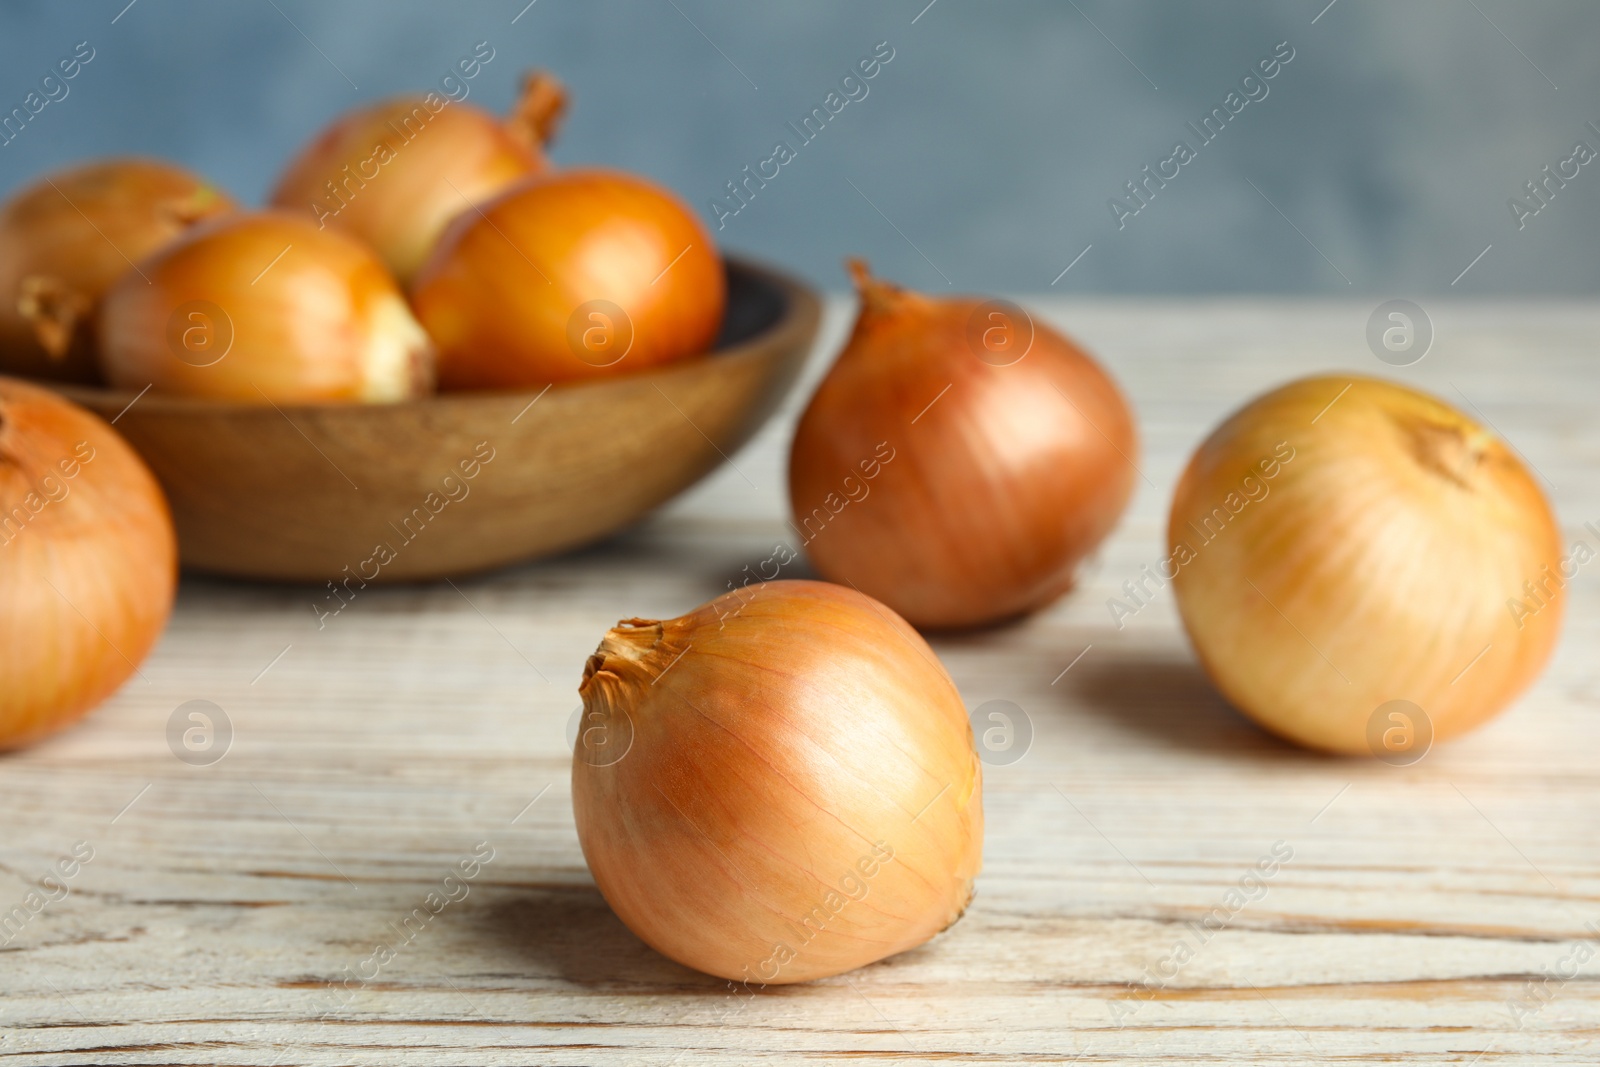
<point x="374" y="753"/>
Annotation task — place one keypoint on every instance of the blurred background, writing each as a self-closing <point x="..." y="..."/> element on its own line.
<point x="982" y="156"/>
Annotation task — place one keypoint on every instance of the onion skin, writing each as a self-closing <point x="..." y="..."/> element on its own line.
<point x="88" y="562"/>
<point x="1393" y="539"/>
<point x="314" y="317"/>
<point x="779" y="733"/>
<point x="503" y="288"/>
<point x="62" y="244"/>
<point x="998" y="485"/>
<point x="414" y="163"/>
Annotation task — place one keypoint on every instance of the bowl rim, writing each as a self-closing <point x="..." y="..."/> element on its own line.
<point x="798" y="318"/>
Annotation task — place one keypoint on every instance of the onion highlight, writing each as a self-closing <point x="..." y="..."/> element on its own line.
<point x="66" y="238"/>
<point x="1341" y="544"/>
<point x="263" y="308"/>
<point x="395" y="173"/>
<point x="779" y="786"/>
<point x="88" y="562"/>
<point x="959" y="460"/>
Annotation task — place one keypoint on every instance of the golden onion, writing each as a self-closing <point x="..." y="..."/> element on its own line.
<point x="88" y="562"/>
<point x="395" y="173"/>
<point x="577" y="274"/>
<point x="778" y="786"/>
<point x="1341" y="544"/>
<point x="960" y="459"/>
<point x="66" y="238"/>
<point x="265" y="308"/>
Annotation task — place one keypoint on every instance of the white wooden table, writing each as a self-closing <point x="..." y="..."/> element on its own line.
<point x="223" y="902"/>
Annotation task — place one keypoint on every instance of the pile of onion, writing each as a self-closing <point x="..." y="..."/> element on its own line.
<point x="578" y="274"/>
<point x="265" y="308"/>
<point x="66" y="238"/>
<point x="959" y="460"/>
<point x="779" y="786"/>
<point x="1341" y="544"/>
<point x="395" y="173"/>
<point x="88" y="562"/>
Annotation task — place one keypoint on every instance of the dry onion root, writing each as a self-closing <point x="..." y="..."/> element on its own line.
<point x="959" y="460"/>
<point x="779" y="786"/>
<point x="395" y="173"/>
<point x="264" y="308"/>
<point x="65" y="239"/>
<point x="88" y="562"/>
<point x="1336" y="551"/>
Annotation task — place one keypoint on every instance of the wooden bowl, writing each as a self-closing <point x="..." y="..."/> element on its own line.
<point x="460" y="482"/>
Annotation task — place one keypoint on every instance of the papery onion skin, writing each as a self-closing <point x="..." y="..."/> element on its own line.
<point x="88" y="562"/>
<point x="298" y="314"/>
<point x="396" y="172"/>
<point x="776" y="736"/>
<point x="1378" y="566"/>
<point x="1003" y="477"/>
<point x="66" y="238"/>
<point x="505" y="290"/>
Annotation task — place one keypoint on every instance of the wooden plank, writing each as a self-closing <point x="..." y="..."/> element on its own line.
<point x="1417" y="918"/>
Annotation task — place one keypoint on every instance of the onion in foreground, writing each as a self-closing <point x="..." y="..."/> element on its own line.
<point x="1340" y="544"/>
<point x="959" y="460"/>
<point x="264" y="308"/>
<point x="395" y="173"/>
<point x="65" y="239"/>
<point x="579" y="274"/>
<point x="88" y="562"/>
<point x="779" y="786"/>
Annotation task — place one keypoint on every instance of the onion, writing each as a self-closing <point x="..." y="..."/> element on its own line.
<point x="959" y="460"/>
<point x="1339" y="544"/>
<point x="66" y="238"/>
<point x="779" y="786"/>
<point x="574" y="275"/>
<point x="88" y="562"/>
<point x="395" y="173"/>
<point x="264" y="307"/>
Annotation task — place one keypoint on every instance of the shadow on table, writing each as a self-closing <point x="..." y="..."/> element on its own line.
<point x="571" y="933"/>
<point x="1168" y="701"/>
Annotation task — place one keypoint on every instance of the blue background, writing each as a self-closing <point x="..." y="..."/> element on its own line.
<point x="986" y="151"/>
